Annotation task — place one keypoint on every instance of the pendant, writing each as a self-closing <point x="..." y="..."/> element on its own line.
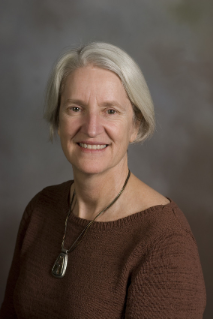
<point x="60" y="265"/>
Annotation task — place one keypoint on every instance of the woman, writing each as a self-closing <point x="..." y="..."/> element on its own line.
<point x="105" y="245"/>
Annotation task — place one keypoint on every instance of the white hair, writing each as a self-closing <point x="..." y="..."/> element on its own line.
<point x="112" y="58"/>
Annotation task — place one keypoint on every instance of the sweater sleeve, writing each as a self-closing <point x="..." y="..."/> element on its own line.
<point x="7" y="308"/>
<point x="169" y="284"/>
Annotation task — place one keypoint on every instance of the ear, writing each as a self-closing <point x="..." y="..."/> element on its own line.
<point x="58" y="118"/>
<point x="59" y="131"/>
<point x="135" y="129"/>
<point x="58" y="124"/>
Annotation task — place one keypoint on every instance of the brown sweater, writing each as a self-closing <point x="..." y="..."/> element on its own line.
<point x="145" y="265"/>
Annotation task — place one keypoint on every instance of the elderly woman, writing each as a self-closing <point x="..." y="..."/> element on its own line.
<point x="104" y="245"/>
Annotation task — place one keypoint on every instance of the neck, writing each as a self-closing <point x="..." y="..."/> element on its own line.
<point x="94" y="192"/>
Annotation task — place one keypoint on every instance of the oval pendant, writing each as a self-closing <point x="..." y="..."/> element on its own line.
<point x="60" y="265"/>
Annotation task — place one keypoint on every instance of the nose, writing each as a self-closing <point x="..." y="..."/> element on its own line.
<point x="92" y="125"/>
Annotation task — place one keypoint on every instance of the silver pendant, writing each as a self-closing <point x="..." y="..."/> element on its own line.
<point x="60" y="265"/>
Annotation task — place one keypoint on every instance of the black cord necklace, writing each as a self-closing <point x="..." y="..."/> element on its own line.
<point x="60" y="265"/>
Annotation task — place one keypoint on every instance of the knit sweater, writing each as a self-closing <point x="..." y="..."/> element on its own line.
<point x="145" y="265"/>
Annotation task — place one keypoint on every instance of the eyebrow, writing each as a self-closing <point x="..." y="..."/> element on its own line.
<point x="81" y="103"/>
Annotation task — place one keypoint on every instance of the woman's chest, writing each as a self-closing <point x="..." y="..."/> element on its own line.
<point x="95" y="283"/>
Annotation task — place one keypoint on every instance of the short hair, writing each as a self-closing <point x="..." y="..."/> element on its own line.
<point x="109" y="57"/>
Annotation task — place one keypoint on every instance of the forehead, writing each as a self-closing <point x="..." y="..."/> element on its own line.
<point x="91" y="80"/>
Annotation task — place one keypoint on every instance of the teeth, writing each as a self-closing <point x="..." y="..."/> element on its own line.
<point x="92" y="147"/>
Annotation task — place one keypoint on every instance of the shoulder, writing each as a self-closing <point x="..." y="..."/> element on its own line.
<point x="170" y="218"/>
<point x="142" y="196"/>
<point x="168" y="268"/>
<point x="52" y="196"/>
<point x="55" y="190"/>
<point x="160" y="223"/>
<point x="160" y="215"/>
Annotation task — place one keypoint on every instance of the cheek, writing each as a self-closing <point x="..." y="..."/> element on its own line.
<point x="115" y="130"/>
<point x="120" y="133"/>
<point x="67" y="127"/>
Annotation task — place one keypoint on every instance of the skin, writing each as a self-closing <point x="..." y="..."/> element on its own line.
<point x="95" y="110"/>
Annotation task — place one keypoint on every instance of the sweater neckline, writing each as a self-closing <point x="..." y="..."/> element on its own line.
<point x="118" y="222"/>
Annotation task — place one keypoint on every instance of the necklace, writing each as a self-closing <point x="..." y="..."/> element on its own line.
<point x="60" y="265"/>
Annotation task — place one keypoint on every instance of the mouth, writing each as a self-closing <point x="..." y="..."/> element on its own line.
<point x="93" y="146"/>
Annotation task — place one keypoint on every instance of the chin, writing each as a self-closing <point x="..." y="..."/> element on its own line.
<point x="89" y="169"/>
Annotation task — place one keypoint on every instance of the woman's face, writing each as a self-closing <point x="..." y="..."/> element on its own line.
<point x="95" y="120"/>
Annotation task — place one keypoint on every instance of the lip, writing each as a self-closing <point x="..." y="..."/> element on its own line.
<point x="89" y="150"/>
<point x="92" y="143"/>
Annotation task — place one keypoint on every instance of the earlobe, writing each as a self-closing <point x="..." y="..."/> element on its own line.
<point x="135" y="131"/>
<point x="133" y="138"/>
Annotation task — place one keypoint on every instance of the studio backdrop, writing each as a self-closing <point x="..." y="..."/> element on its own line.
<point x="172" y="43"/>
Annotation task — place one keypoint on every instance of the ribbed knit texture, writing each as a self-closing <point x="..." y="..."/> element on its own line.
<point x="142" y="266"/>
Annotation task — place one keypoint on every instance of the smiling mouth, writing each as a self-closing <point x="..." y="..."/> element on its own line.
<point x="93" y="147"/>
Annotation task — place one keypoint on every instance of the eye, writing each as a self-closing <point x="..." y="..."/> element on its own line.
<point x="75" y="108"/>
<point x="111" y="111"/>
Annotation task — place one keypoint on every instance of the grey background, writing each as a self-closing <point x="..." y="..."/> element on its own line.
<point x="172" y="42"/>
